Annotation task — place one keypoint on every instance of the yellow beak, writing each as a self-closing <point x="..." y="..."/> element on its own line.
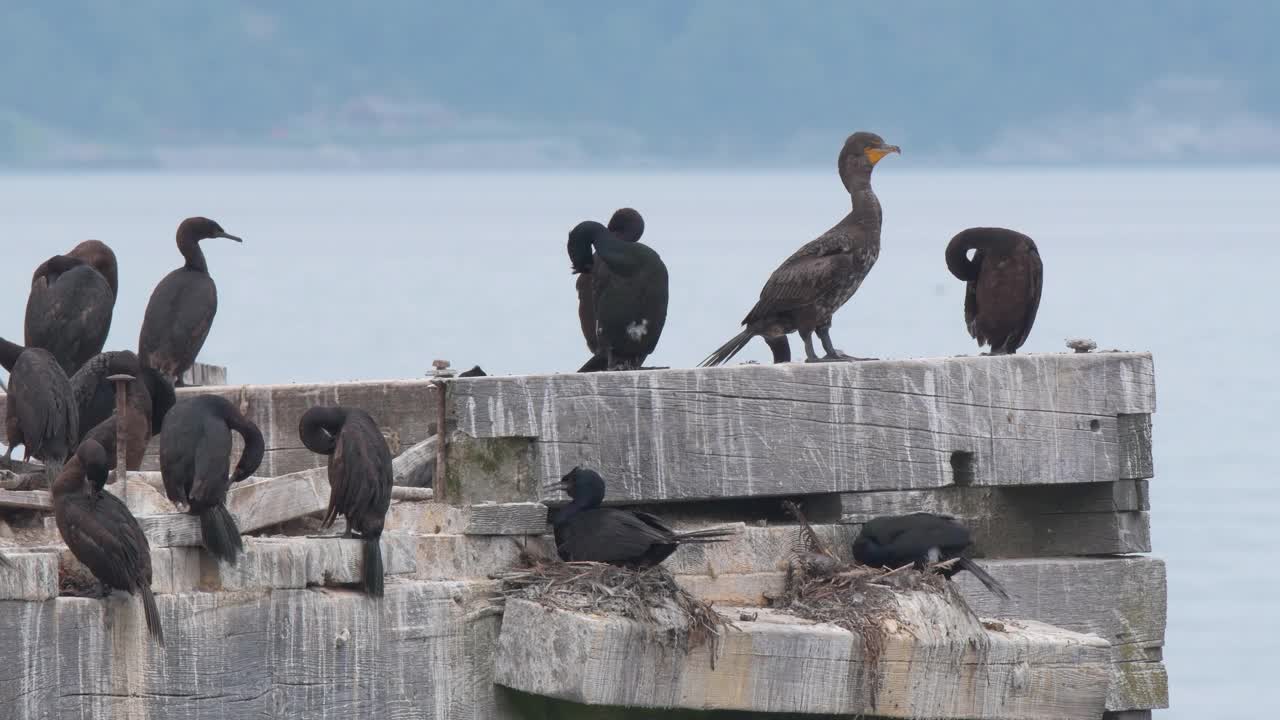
<point x="875" y="154"/>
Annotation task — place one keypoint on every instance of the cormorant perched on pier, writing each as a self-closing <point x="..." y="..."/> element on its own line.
<point x="584" y="531"/>
<point x="919" y="539"/>
<point x="71" y="302"/>
<point x="40" y="410"/>
<point x="630" y="298"/>
<point x="806" y="290"/>
<point x="628" y="225"/>
<point x="182" y="306"/>
<point x="149" y="397"/>
<point x="101" y="532"/>
<point x="360" y="477"/>
<point x="1002" y="285"/>
<point x="195" y="450"/>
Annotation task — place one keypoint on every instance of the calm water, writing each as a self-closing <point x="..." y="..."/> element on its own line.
<point x="373" y="276"/>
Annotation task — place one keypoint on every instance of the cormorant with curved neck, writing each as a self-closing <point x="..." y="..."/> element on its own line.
<point x="806" y="290"/>
<point x="195" y="450"/>
<point x="1002" y="285"/>
<point x="71" y="302"/>
<point x="40" y="410"/>
<point x="360" y="477"/>
<point x="919" y="539"/>
<point x="630" y="298"/>
<point x="628" y="225"/>
<point x="182" y="306"/>
<point x="101" y="532"/>
<point x="584" y="531"/>
<point x="148" y="398"/>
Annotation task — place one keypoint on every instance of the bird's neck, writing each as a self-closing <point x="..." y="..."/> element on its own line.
<point x="579" y="505"/>
<point x="190" y="249"/>
<point x="866" y="206"/>
<point x="9" y="353"/>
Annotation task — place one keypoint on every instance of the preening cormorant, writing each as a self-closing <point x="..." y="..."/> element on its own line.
<point x="101" y="532"/>
<point x="149" y="397"/>
<point x="628" y="225"/>
<point x="584" y="531"/>
<point x="40" y="409"/>
<point x="630" y="298"/>
<point x="806" y="290"/>
<point x="182" y="306"/>
<point x="1002" y="285"/>
<point x="919" y="538"/>
<point x="360" y="477"/>
<point x="195" y="450"/>
<point x="71" y="302"/>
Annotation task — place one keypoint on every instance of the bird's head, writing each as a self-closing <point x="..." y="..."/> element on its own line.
<point x="627" y="224"/>
<point x="93" y="458"/>
<point x="202" y="228"/>
<point x="583" y="485"/>
<point x="861" y="152"/>
<point x="581" y="238"/>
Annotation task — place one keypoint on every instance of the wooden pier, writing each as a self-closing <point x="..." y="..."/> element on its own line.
<point x="1046" y="457"/>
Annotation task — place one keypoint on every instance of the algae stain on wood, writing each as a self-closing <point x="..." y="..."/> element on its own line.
<point x="489" y="469"/>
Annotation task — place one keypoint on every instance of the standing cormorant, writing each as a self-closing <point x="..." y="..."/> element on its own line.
<point x="195" y="451"/>
<point x="919" y="539"/>
<point x="630" y="298"/>
<point x="101" y="532"/>
<point x="148" y="398"/>
<point x="628" y="225"/>
<point x="1002" y="285"/>
<point x="40" y="410"/>
<point x="584" y="531"/>
<point x="806" y="290"/>
<point x="71" y="302"/>
<point x="360" y="477"/>
<point x="182" y="306"/>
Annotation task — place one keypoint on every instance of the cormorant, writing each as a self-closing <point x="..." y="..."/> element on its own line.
<point x="1002" y="285"/>
<point x="806" y="290"/>
<point x="195" y="450"/>
<point x="148" y="398"/>
<point x="71" y="302"/>
<point x="101" y="532"/>
<point x="919" y="539"/>
<point x="630" y="298"/>
<point x="584" y="531"/>
<point x="182" y="306"/>
<point x="628" y="225"/>
<point x="40" y="410"/>
<point x="360" y="477"/>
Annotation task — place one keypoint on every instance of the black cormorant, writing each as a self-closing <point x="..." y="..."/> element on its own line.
<point x="360" y="477"/>
<point x="806" y="290"/>
<point x="40" y="409"/>
<point x="71" y="302"/>
<point x="182" y="306"/>
<point x="101" y="532"/>
<point x="148" y="398"/>
<point x="1002" y="285"/>
<point x="195" y="450"/>
<point x="919" y="539"/>
<point x="584" y="531"/>
<point x="628" y="225"/>
<point x="630" y="298"/>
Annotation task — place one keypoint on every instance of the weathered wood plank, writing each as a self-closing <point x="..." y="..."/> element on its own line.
<point x="415" y="467"/>
<point x="26" y="500"/>
<point x="809" y="428"/>
<point x="34" y="575"/>
<point x="204" y="375"/>
<point x="781" y="664"/>
<point x="1136" y="460"/>
<point x="492" y="519"/>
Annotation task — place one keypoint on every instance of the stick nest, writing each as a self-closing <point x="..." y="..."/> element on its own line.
<point x="650" y="597"/>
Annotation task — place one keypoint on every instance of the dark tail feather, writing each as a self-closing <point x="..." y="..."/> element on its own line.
<point x="729" y="349"/>
<point x="373" y="566"/>
<point x="220" y="534"/>
<point x="709" y="535"/>
<point x="153" y="614"/>
<point x="598" y="363"/>
<point x="991" y="583"/>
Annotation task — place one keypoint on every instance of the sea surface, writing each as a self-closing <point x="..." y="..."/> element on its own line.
<point x="372" y="276"/>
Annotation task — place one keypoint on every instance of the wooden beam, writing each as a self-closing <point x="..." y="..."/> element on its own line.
<point x="204" y="375"/>
<point x="492" y="519"/>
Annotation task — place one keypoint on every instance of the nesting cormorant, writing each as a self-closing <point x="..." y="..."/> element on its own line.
<point x="360" y="477"/>
<point x="149" y="397"/>
<point x="919" y="539"/>
<point x="1002" y="285"/>
<point x="40" y="410"/>
<point x="182" y="306"/>
<point x="101" y="532"/>
<point x="71" y="302"/>
<point x="584" y="531"/>
<point x="628" y="225"/>
<point x="195" y="450"/>
<point x="630" y="297"/>
<point x="806" y="290"/>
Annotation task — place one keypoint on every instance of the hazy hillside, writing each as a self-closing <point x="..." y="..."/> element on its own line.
<point x="533" y="82"/>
